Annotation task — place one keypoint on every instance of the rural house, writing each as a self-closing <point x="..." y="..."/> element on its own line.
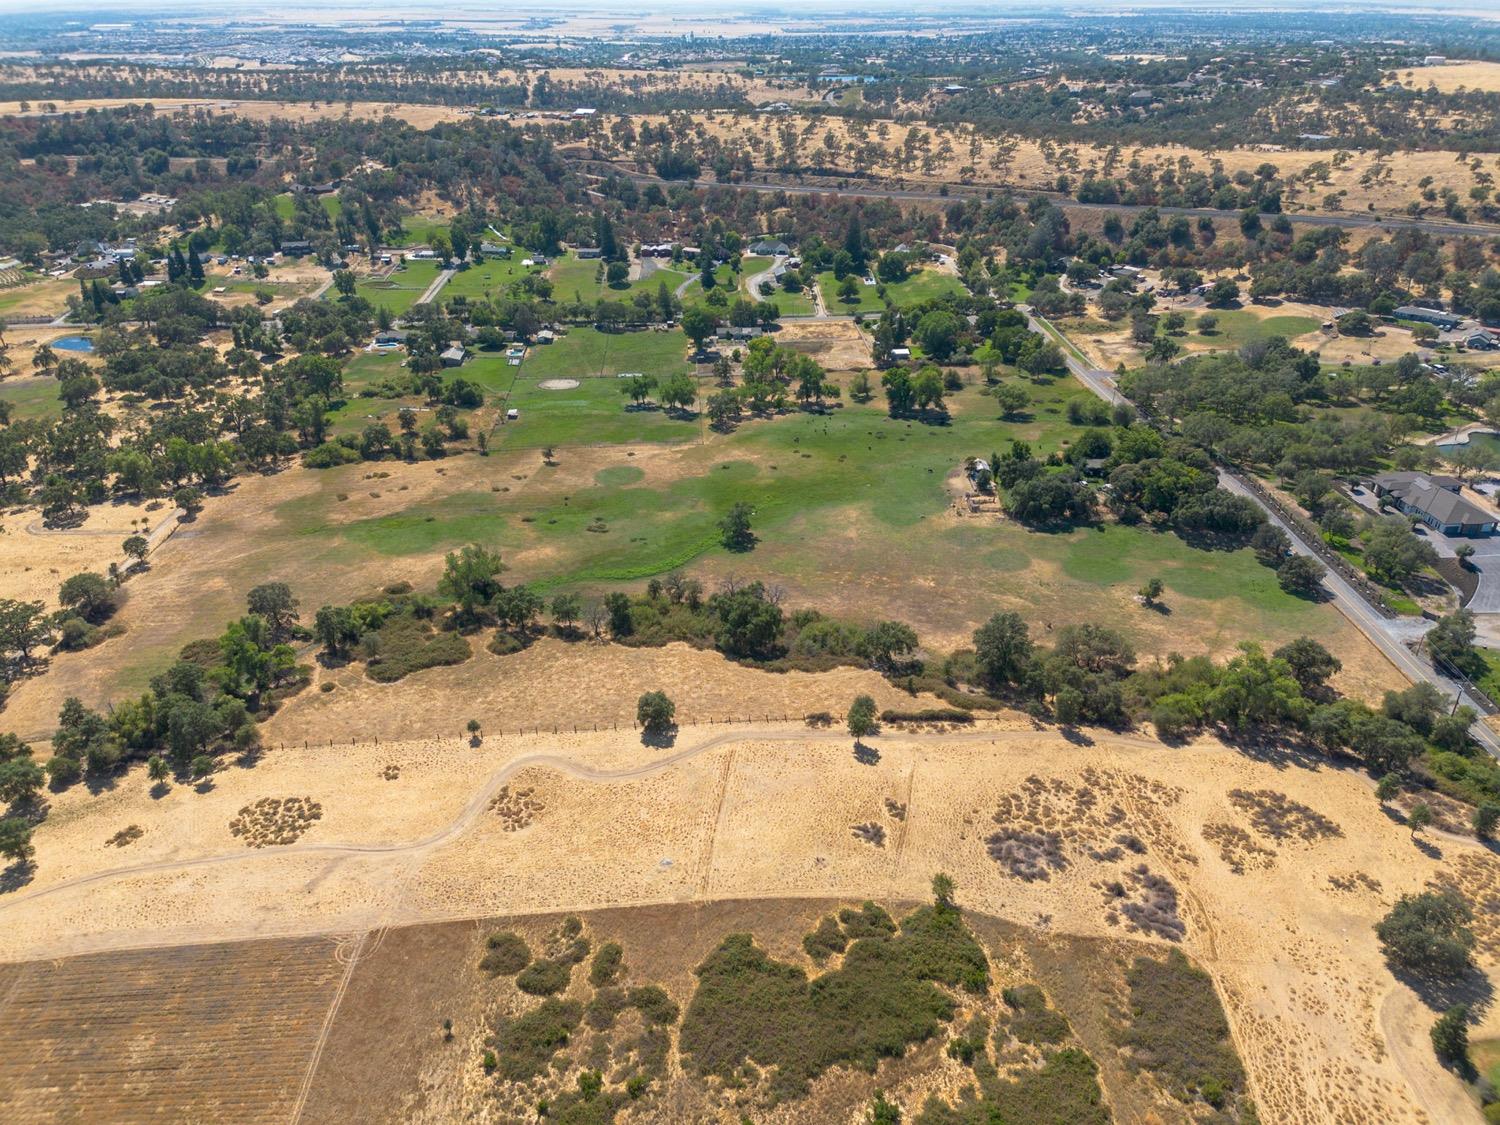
<point x="1446" y="321"/>
<point x="1435" y="500"/>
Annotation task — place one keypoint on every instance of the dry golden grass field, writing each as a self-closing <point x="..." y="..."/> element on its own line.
<point x="1453" y="76"/>
<point x="1278" y="865"/>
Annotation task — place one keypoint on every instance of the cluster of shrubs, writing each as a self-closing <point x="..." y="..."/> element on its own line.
<point x="208" y="700"/>
<point x="1168" y="482"/>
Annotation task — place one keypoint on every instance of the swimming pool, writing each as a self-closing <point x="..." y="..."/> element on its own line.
<point x="73" y="344"/>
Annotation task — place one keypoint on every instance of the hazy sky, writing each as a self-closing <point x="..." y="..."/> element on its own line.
<point x="362" y="9"/>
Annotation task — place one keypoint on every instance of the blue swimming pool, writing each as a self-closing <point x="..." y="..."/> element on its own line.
<point x="73" y="344"/>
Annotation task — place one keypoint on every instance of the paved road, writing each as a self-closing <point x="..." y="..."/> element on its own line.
<point x="1096" y="379"/>
<point x="442" y="279"/>
<point x="1390" y="637"/>
<point x="969" y="191"/>
<point x="752" y="283"/>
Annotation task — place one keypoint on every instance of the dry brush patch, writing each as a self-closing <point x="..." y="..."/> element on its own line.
<point x="275" y="821"/>
<point x="516" y="808"/>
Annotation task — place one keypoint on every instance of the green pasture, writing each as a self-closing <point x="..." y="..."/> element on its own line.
<point x="1238" y="327"/>
<point x="401" y="290"/>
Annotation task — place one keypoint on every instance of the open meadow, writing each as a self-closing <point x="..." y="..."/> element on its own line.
<point x="1264" y="853"/>
<point x="854" y="513"/>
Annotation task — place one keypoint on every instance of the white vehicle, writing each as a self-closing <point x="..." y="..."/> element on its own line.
<point x="512" y="414"/>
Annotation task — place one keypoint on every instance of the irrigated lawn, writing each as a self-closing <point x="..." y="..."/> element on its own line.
<point x="922" y="286"/>
<point x="583" y="278"/>
<point x="417" y="230"/>
<point x="850" y="511"/>
<point x="793" y="304"/>
<point x="486" y="277"/>
<point x="725" y="280"/>
<point x="592" y="413"/>
<point x="31" y="397"/>
<point x="286" y="206"/>
<point x="401" y="290"/>
<point x="586" y="352"/>
<point x="1238" y="326"/>
<point x="866" y="301"/>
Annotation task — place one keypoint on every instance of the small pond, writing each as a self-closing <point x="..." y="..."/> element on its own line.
<point x="73" y="344"/>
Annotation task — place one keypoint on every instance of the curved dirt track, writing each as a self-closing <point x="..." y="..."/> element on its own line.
<point x="483" y="795"/>
<point x="393" y="871"/>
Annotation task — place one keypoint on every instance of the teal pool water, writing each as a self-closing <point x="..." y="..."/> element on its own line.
<point x="1488" y="443"/>
<point x="73" y="344"/>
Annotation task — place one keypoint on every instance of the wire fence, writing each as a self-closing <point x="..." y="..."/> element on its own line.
<point x="814" y="720"/>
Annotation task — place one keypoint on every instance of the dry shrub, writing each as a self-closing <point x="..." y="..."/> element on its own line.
<point x="1238" y="848"/>
<point x="516" y="808"/>
<point x="1278" y="817"/>
<point x="273" y="821"/>
<point x="1354" y="881"/>
<point x="1147" y="902"/>
<point x="125" y="836"/>
<point x="1027" y="855"/>
<point x="1476" y="878"/>
<point x="871" y="833"/>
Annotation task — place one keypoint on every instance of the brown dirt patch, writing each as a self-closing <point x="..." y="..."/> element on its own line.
<point x="217" y="1032"/>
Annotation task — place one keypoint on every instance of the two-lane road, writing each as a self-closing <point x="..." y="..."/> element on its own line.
<point x="1390" y="637"/>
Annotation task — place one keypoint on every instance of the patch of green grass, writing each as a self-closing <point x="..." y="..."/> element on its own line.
<point x="1237" y="327"/>
<point x="401" y="290"/>
<point x="617" y="476"/>
<point x="592" y="413"/>
<point x="1486" y="1056"/>
<point x="417" y="230"/>
<point x="586" y="352"/>
<point x="924" y="285"/>
<point x="485" y="278"/>
<point x="584" y="278"/>
<point x="1176" y="1030"/>
<point x="463" y="517"/>
<point x="749" y="1008"/>
<point x="1490" y="681"/>
<point x="31" y="397"/>
<point x="865" y="300"/>
<point x="792" y="304"/>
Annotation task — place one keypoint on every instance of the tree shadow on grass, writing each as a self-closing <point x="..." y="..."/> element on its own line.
<point x="866" y="755"/>
<point x="1440" y="993"/>
<point x="660" y="739"/>
<point x="17" y="875"/>
<point x="1279" y="751"/>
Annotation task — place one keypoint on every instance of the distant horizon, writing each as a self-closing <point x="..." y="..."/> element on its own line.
<point x="355" y="11"/>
